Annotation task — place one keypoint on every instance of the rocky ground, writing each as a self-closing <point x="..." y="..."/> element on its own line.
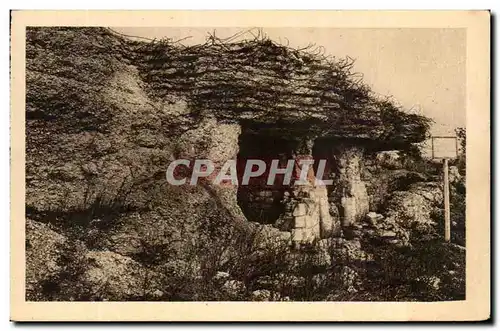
<point x="395" y="255"/>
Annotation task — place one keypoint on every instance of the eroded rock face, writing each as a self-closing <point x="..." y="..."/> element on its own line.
<point x="406" y="213"/>
<point x="382" y="182"/>
<point x="43" y="249"/>
<point x="70" y="168"/>
<point x="221" y="147"/>
<point x="415" y="206"/>
<point x="119" y="276"/>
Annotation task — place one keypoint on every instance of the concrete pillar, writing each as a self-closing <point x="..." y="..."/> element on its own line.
<point x="308" y="215"/>
<point x="349" y="190"/>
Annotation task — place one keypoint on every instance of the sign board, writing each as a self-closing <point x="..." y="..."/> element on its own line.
<point x="444" y="147"/>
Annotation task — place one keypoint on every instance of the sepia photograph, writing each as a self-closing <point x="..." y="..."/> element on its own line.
<point x="250" y="164"/>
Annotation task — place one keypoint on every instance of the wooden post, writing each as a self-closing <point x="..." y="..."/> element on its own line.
<point x="446" y="190"/>
<point x="432" y="147"/>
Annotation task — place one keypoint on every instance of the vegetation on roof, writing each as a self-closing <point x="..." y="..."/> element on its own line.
<point x="255" y="80"/>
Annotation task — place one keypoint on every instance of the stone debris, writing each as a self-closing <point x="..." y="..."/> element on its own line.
<point x="432" y="282"/>
<point x="348" y="251"/>
<point x="158" y="294"/>
<point x="389" y="159"/>
<point x="234" y="286"/>
<point x="310" y="213"/>
<point x="221" y="275"/>
<point x="388" y="234"/>
<point x="454" y="175"/>
<point x="261" y="295"/>
<point x="349" y="279"/>
<point x="373" y="218"/>
<point x="267" y="295"/>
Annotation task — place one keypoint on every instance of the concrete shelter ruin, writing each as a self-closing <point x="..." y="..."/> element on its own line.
<point x="248" y="98"/>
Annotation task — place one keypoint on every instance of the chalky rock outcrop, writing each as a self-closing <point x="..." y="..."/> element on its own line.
<point x="106" y="115"/>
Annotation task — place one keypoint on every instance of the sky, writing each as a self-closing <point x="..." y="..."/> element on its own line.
<point x="422" y="69"/>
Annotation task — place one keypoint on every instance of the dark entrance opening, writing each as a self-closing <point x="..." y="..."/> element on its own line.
<point x="323" y="150"/>
<point x="259" y="201"/>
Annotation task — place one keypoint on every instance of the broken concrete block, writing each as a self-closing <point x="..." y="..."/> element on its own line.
<point x="373" y="218"/>
<point x="300" y="210"/>
<point x="388" y="234"/>
<point x="298" y="235"/>
<point x="300" y="221"/>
